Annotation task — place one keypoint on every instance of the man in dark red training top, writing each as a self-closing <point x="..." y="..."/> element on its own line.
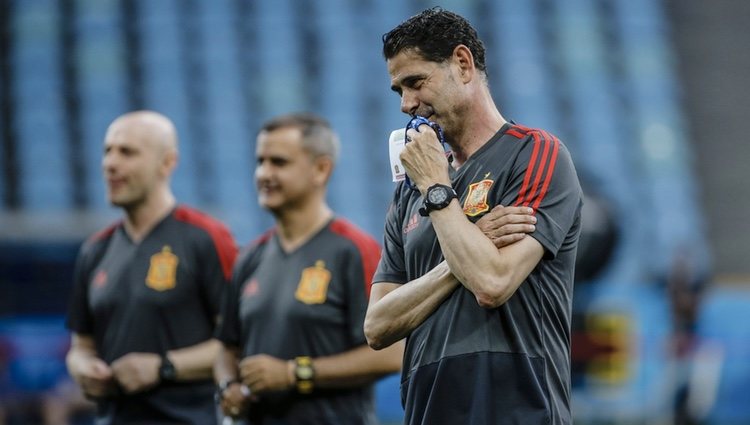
<point x="488" y="329"/>
<point x="148" y="289"/>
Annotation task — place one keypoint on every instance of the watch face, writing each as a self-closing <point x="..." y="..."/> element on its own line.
<point x="304" y="372"/>
<point x="167" y="372"/>
<point x="437" y="195"/>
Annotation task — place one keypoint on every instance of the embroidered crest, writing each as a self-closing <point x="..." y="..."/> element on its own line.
<point x="162" y="274"/>
<point x="313" y="284"/>
<point x="476" y="199"/>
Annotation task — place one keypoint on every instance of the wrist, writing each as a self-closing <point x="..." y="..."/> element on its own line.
<point x="304" y="374"/>
<point x="224" y="384"/>
<point x="167" y="370"/>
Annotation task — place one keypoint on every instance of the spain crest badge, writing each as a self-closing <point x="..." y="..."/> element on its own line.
<point x="313" y="284"/>
<point x="162" y="273"/>
<point x="476" y="199"/>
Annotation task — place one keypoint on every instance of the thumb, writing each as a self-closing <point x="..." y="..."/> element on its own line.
<point x="101" y="369"/>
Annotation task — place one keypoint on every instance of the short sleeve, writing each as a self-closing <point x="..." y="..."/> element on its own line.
<point x="392" y="267"/>
<point x="80" y="319"/>
<point x="228" y="328"/>
<point x="544" y="178"/>
<point x="360" y="269"/>
<point x="216" y="255"/>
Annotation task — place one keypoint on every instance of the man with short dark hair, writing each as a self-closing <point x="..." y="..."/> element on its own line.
<point x="488" y="329"/>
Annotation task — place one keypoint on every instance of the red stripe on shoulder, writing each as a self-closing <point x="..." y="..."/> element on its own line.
<point x="550" y="169"/>
<point x="540" y="168"/>
<point x="105" y="233"/>
<point x="222" y="238"/>
<point x="368" y="248"/>
<point x="263" y="238"/>
<point x="529" y="172"/>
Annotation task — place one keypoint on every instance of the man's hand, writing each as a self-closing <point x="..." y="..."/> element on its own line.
<point x="263" y="373"/>
<point x="424" y="158"/>
<point x="137" y="371"/>
<point x="506" y="225"/>
<point x="95" y="377"/>
<point x="235" y="400"/>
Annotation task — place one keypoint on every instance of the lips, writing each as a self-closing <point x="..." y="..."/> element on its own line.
<point x="115" y="183"/>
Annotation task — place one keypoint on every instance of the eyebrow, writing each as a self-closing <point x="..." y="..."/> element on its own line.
<point x="407" y="81"/>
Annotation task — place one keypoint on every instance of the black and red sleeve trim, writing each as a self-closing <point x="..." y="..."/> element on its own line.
<point x="540" y="168"/>
<point x="368" y="249"/>
<point x="224" y="243"/>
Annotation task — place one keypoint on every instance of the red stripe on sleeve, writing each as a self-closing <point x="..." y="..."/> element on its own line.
<point x="222" y="238"/>
<point x="529" y="171"/>
<point x="539" y="170"/>
<point x="368" y="248"/>
<point x="550" y="169"/>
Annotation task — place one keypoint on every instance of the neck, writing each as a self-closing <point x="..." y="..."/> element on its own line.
<point x="140" y="219"/>
<point x="297" y="226"/>
<point x="481" y="121"/>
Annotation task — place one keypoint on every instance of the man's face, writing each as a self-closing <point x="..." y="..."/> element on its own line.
<point x="285" y="173"/>
<point x="428" y="89"/>
<point x="131" y="166"/>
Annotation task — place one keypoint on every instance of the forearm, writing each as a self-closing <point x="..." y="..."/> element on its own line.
<point x="226" y="364"/>
<point x="77" y="359"/>
<point x="196" y="361"/>
<point x="491" y="274"/>
<point x="357" y="367"/>
<point x="400" y="311"/>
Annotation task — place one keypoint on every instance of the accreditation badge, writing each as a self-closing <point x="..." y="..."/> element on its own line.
<point x="162" y="274"/>
<point x="313" y="284"/>
<point x="476" y="199"/>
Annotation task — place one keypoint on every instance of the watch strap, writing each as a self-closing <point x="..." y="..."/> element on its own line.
<point x="167" y="371"/>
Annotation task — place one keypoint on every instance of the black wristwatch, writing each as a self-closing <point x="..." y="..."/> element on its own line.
<point x="304" y="374"/>
<point x="167" y="371"/>
<point x="438" y="196"/>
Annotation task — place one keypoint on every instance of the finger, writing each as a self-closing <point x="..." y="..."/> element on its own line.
<point x="510" y="229"/>
<point x="506" y="240"/>
<point x="500" y="209"/>
<point x="502" y="220"/>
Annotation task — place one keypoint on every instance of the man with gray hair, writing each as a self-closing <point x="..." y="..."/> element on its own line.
<point x="294" y="350"/>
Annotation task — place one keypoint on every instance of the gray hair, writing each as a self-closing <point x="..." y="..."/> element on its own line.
<point x="318" y="137"/>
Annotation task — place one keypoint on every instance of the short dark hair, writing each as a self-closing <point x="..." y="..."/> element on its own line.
<point x="317" y="135"/>
<point x="434" y="34"/>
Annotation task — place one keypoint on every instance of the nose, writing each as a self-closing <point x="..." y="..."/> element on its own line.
<point x="108" y="162"/>
<point x="409" y="102"/>
<point x="262" y="171"/>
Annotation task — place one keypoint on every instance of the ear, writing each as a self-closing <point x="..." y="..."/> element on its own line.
<point x="464" y="60"/>
<point x="323" y="168"/>
<point x="169" y="162"/>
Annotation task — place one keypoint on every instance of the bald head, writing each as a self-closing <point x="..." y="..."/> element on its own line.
<point x="140" y="154"/>
<point x="151" y="127"/>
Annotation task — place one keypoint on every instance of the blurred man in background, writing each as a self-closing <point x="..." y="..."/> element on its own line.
<point x="488" y="329"/>
<point x="293" y="346"/>
<point x="147" y="289"/>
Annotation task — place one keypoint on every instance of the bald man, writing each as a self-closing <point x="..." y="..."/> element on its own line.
<point x="147" y="289"/>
